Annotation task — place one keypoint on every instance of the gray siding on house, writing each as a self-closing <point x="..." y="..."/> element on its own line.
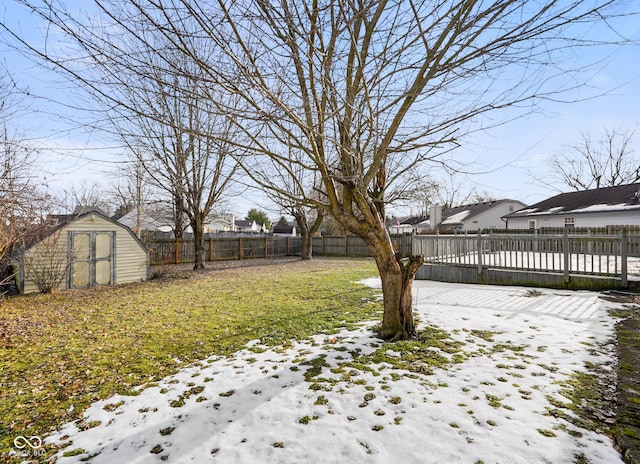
<point x="492" y="218"/>
<point x="603" y="219"/>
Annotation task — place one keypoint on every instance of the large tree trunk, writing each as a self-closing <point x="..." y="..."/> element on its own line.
<point x="198" y="239"/>
<point x="396" y="274"/>
<point x="305" y="231"/>
<point x="397" y="284"/>
<point x="307" y="246"/>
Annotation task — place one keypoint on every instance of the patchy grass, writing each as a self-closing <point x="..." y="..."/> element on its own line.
<point x="431" y="348"/>
<point x="65" y="350"/>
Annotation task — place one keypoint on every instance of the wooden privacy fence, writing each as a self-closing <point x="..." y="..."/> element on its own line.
<point x="170" y="251"/>
<point x="565" y="260"/>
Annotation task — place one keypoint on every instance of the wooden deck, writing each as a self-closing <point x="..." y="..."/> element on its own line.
<point x="576" y="262"/>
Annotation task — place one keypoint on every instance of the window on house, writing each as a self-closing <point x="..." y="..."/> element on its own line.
<point x="569" y="222"/>
<point x="532" y="224"/>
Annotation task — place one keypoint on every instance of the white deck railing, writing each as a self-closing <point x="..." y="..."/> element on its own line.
<point x="604" y="255"/>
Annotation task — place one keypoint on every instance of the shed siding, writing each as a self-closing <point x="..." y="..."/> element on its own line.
<point x="130" y="256"/>
<point x="52" y="251"/>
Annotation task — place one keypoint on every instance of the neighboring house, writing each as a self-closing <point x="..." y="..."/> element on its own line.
<point x="284" y="230"/>
<point x="158" y="224"/>
<point x="218" y="224"/>
<point x="465" y="218"/>
<point x="250" y="226"/>
<point x="410" y="225"/>
<point x="609" y="206"/>
<point x="81" y="251"/>
<point x="484" y="215"/>
<point x="243" y="225"/>
<point x="161" y="225"/>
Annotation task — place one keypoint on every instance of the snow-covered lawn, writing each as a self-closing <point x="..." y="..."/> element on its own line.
<point x="491" y="406"/>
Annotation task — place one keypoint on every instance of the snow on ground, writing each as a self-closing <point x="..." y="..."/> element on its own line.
<point x="257" y="407"/>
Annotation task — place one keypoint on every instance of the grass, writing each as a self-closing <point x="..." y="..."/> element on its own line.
<point x="65" y="350"/>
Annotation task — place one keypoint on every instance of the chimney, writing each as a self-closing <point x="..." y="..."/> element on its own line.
<point x="435" y="216"/>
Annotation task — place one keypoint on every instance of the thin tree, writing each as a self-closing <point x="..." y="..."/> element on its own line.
<point x="22" y="200"/>
<point x="86" y="194"/>
<point x="605" y="162"/>
<point x="24" y="203"/>
<point x="290" y="189"/>
<point x="184" y="148"/>
<point x="367" y="90"/>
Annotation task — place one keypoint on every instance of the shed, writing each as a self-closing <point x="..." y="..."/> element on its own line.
<point x="81" y="251"/>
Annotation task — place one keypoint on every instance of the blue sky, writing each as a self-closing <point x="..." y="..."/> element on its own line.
<point x="508" y="157"/>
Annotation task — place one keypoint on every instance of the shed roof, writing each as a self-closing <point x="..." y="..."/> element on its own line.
<point x="57" y="222"/>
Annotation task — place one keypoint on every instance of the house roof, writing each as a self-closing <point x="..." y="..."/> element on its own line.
<point x="283" y="229"/>
<point x="460" y="214"/>
<point x="412" y="221"/>
<point x="601" y="200"/>
<point x="149" y="220"/>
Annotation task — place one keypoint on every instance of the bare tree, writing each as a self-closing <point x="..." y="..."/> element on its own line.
<point x="369" y="90"/>
<point x="130" y="191"/>
<point x="290" y="189"/>
<point x="605" y="162"/>
<point x="366" y="90"/>
<point x="47" y="262"/>
<point x="22" y="199"/>
<point x="146" y="91"/>
<point x="448" y="191"/>
<point x="184" y="148"/>
<point x="86" y="194"/>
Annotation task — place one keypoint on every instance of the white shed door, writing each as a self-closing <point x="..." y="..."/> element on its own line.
<point x="92" y="260"/>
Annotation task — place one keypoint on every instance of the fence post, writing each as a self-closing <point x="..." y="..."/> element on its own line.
<point x="346" y="249"/>
<point x="289" y="246"/>
<point x="210" y="249"/>
<point x="266" y="247"/>
<point x="479" y="248"/>
<point x="565" y="245"/>
<point x="624" y="254"/>
<point x="239" y="247"/>
<point x="177" y="253"/>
